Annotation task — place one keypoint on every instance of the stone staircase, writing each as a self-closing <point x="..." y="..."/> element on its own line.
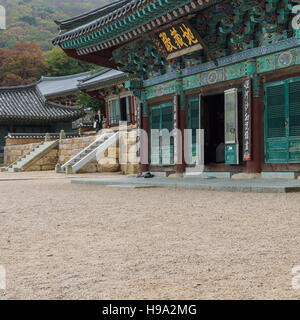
<point x="102" y="143"/>
<point x="31" y="157"/>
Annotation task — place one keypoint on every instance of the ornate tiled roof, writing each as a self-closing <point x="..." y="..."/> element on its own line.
<point x="121" y="22"/>
<point x="28" y="103"/>
<point x="52" y="87"/>
<point x="102" y="79"/>
<point x="90" y="16"/>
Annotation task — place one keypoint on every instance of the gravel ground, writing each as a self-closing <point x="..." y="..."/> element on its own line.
<point x="63" y="241"/>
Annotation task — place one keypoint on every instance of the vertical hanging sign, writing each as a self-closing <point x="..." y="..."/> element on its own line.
<point x="139" y="125"/>
<point x="175" y="126"/>
<point x="247" y="119"/>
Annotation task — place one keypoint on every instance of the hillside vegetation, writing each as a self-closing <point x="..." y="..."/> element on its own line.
<point x="33" y="20"/>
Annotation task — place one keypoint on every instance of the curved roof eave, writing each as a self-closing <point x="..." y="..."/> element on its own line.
<point x="89" y="16"/>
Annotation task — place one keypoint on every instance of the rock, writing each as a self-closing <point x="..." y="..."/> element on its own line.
<point x="113" y="152"/>
<point x="101" y="155"/>
<point x="89" y="168"/>
<point x="130" y="168"/>
<point x="108" y="165"/>
<point x="246" y="176"/>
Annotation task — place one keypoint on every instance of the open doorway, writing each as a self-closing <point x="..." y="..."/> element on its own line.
<point x="213" y="116"/>
<point x="125" y="109"/>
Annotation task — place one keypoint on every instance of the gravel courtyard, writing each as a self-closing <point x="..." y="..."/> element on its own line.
<point x="63" y="241"/>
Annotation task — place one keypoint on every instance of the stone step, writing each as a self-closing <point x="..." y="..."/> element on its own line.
<point x="280" y="175"/>
<point x="84" y="156"/>
<point x="162" y="174"/>
<point x="210" y="174"/>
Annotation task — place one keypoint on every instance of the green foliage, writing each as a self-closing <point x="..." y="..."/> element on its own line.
<point x="25" y="63"/>
<point x="61" y="65"/>
<point x="31" y="27"/>
<point x="33" y="20"/>
<point x="91" y="103"/>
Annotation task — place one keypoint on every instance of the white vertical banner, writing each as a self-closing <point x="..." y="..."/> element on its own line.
<point x="175" y="127"/>
<point x="139" y="124"/>
<point x="296" y="20"/>
<point x="2" y="18"/>
<point x="2" y="278"/>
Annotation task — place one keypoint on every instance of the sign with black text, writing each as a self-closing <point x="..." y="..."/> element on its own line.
<point x="175" y="126"/>
<point x="179" y="39"/>
<point x="247" y="118"/>
<point x="139" y="126"/>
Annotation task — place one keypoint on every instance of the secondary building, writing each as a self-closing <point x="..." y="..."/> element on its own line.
<point x="24" y="110"/>
<point x="108" y="85"/>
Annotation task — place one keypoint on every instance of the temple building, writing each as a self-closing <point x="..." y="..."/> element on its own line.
<point x="109" y="86"/>
<point x="24" y="110"/>
<point x="63" y="90"/>
<point x="228" y="69"/>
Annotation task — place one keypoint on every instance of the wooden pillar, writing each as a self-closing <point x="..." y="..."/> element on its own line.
<point x="181" y="125"/>
<point x="254" y="165"/>
<point x="133" y="107"/>
<point x="107" y="113"/>
<point x="144" y="139"/>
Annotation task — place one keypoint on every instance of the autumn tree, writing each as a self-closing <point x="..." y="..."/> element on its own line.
<point x="22" y="64"/>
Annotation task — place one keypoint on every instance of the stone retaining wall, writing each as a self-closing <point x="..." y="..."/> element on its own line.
<point x="128" y="159"/>
<point x="13" y="153"/>
<point x="106" y="162"/>
<point x="22" y="141"/>
<point x="68" y="148"/>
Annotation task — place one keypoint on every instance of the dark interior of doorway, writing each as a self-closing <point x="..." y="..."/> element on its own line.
<point x="214" y="122"/>
<point x="123" y="110"/>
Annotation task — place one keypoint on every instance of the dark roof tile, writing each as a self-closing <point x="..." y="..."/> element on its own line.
<point x="27" y="102"/>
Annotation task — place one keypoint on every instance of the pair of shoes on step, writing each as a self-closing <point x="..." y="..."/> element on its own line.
<point x="147" y="175"/>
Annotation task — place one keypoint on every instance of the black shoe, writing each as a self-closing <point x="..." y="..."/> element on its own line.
<point x="148" y="175"/>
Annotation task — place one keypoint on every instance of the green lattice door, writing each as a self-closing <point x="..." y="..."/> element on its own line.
<point x="114" y="112"/>
<point x="162" y="142"/>
<point x="283" y="121"/>
<point x="194" y="125"/>
<point x="128" y="109"/>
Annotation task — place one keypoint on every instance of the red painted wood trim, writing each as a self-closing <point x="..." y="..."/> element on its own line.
<point x="107" y="113"/>
<point x="255" y="164"/>
<point x="133" y="110"/>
